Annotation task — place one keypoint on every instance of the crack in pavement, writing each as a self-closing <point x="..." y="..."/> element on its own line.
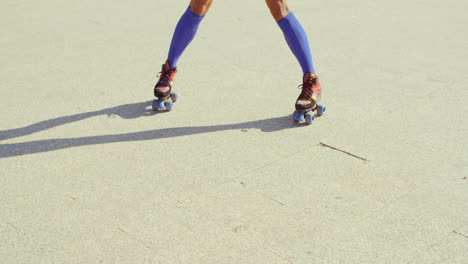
<point x="136" y="239"/>
<point x="345" y="152"/>
<point x="460" y="234"/>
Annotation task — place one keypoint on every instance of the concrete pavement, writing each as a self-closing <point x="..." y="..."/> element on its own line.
<point x="90" y="174"/>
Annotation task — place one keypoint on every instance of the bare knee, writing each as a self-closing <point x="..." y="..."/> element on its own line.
<point x="278" y="8"/>
<point x="200" y="7"/>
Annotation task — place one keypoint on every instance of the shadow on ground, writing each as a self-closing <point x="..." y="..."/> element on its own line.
<point x="127" y="111"/>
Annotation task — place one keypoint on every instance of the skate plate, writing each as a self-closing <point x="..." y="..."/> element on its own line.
<point x="165" y="104"/>
<point x="308" y="116"/>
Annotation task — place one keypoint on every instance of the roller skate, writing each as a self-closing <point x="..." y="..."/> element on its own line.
<point x="163" y="89"/>
<point x="306" y="103"/>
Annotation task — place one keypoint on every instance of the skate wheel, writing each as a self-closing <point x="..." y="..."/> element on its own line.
<point x="169" y="105"/>
<point x="309" y="119"/>
<point x="298" y="117"/>
<point x="174" y="96"/>
<point x="158" y="105"/>
<point x="320" y="110"/>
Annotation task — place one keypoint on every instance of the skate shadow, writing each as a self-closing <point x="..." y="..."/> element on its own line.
<point x="128" y="111"/>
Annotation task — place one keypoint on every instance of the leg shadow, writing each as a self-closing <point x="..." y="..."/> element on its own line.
<point x="125" y="111"/>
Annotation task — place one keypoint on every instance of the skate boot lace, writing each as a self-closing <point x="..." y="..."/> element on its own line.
<point x="166" y="76"/>
<point x="307" y="88"/>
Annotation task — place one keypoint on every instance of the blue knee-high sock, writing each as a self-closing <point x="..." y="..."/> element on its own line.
<point x="184" y="33"/>
<point x="297" y="41"/>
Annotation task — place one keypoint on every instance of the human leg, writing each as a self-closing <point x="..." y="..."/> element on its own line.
<point x="184" y="33"/>
<point x="187" y="28"/>
<point x="200" y="7"/>
<point x="298" y="42"/>
<point x="293" y="33"/>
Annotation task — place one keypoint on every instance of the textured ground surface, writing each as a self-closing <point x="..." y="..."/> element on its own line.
<point x="90" y="174"/>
